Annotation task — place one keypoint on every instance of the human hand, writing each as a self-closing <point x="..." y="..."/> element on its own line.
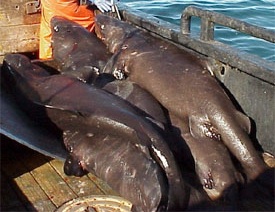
<point x="102" y="5"/>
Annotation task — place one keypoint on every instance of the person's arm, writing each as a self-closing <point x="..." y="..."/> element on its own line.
<point x="102" y="5"/>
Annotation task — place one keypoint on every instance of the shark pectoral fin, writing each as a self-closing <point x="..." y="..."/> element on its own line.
<point x="244" y="121"/>
<point x="72" y="166"/>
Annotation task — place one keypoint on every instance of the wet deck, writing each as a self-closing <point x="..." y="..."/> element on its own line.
<point x="33" y="182"/>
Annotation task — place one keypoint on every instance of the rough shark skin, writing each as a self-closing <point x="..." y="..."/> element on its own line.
<point x="81" y="54"/>
<point x="140" y="98"/>
<point x="77" y="51"/>
<point x="91" y="118"/>
<point x="198" y="105"/>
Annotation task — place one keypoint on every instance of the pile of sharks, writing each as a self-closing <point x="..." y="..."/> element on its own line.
<point x="142" y="114"/>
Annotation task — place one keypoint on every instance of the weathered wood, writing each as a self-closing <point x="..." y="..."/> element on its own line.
<point x="13" y="12"/>
<point x="28" y="190"/>
<point x="33" y="182"/>
<point x="21" y="38"/>
<point x="12" y="42"/>
<point x="82" y="186"/>
<point x="19" y="31"/>
<point x="86" y="185"/>
<point x="53" y="185"/>
<point x="36" y="198"/>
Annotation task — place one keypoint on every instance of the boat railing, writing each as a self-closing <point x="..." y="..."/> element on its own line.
<point x="248" y="63"/>
<point x="210" y="18"/>
<point x="249" y="78"/>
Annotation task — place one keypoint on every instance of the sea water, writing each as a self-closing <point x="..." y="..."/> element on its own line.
<point x="256" y="12"/>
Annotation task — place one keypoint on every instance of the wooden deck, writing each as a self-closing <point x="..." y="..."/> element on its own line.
<point x="31" y="181"/>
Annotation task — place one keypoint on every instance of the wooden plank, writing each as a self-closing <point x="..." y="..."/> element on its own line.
<point x="82" y="186"/>
<point x="23" y="46"/>
<point x="14" y="167"/>
<point x="98" y="186"/>
<point x="40" y="182"/>
<point x="36" y="198"/>
<point x="1" y="59"/>
<point x="13" y="12"/>
<point x="19" y="32"/>
<point x="24" y="38"/>
<point x="9" y="198"/>
<point x="53" y="185"/>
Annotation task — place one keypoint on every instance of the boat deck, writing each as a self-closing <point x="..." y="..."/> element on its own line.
<point x="31" y="181"/>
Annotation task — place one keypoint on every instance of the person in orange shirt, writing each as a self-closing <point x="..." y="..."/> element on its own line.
<point x="75" y="10"/>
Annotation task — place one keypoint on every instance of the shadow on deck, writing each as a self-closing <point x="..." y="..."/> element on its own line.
<point x="31" y="181"/>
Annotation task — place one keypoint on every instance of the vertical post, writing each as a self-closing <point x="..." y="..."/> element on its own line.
<point x="185" y="23"/>
<point x="207" y="30"/>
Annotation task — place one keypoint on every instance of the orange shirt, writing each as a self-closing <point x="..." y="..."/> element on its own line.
<point x="69" y="9"/>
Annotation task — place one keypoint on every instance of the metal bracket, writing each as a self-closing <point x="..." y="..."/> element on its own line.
<point x="33" y="7"/>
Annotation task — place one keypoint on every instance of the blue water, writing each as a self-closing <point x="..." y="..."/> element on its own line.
<point x="257" y="12"/>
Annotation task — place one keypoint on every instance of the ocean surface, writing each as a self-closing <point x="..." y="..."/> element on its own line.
<point x="256" y="12"/>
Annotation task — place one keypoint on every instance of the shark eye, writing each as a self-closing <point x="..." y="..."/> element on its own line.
<point x="55" y="28"/>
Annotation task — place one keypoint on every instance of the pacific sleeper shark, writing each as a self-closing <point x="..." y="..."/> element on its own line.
<point x="199" y="108"/>
<point x="140" y="168"/>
